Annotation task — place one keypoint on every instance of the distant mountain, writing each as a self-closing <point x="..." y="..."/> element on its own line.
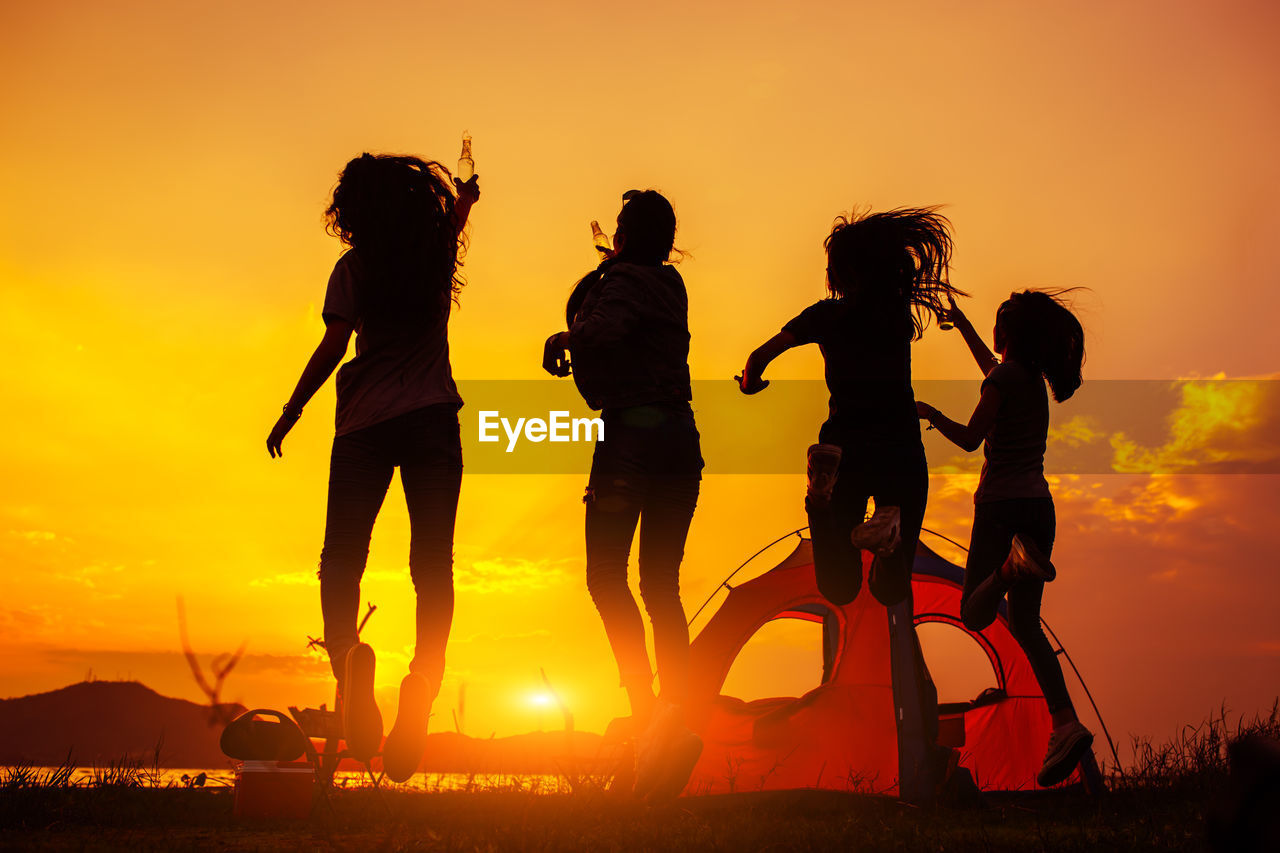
<point x="101" y="722"/>
<point x="106" y="721"/>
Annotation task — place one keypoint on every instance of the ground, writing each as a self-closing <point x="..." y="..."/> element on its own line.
<point x="77" y="818"/>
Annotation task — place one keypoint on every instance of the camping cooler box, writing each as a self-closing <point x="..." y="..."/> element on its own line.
<point x="274" y="789"/>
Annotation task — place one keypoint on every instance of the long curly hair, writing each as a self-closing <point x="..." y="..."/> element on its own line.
<point x="1039" y="330"/>
<point x="895" y="259"/>
<point x="396" y="212"/>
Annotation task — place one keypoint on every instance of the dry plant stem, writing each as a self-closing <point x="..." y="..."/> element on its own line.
<point x="221" y="667"/>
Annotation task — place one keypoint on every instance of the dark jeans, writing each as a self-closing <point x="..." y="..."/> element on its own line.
<point x="895" y="476"/>
<point x="994" y="525"/>
<point x="426" y="446"/>
<point x="647" y="470"/>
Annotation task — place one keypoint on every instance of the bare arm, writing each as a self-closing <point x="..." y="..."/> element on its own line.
<point x="468" y="194"/>
<point x="977" y="346"/>
<point x="326" y="358"/>
<point x="967" y="437"/>
<point x="752" y="380"/>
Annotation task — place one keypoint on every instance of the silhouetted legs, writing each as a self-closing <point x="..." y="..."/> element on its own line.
<point x="425" y="445"/>
<point x="894" y="477"/>
<point x="664" y="510"/>
<point x="432" y="476"/>
<point x="994" y="525"/>
<point x="646" y="471"/>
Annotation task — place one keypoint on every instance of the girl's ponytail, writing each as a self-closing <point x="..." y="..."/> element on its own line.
<point x="1064" y="359"/>
<point x="1041" y="332"/>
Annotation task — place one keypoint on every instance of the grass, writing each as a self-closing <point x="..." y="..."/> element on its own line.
<point x="1159" y="803"/>
<point x="165" y="819"/>
<point x="1194" y="760"/>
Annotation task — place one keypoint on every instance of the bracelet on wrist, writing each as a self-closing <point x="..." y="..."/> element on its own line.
<point x="292" y="414"/>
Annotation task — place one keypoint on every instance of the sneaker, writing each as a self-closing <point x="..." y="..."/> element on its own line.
<point x="824" y="466"/>
<point x="652" y="748"/>
<point x="882" y="533"/>
<point x="1025" y="560"/>
<point x="407" y="742"/>
<point x="1067" y="745"/>
<point x="683" y="752"/>
<point x="361" y="720"/>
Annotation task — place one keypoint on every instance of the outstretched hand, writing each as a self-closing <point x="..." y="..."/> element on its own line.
<point x="468" y="190"/>
<point x="278" y="432"/>
<point x="751" y="384"/>
<point x="924" y="411"/>
<point x="954" y="314"/>
<point x="555" y="355"/>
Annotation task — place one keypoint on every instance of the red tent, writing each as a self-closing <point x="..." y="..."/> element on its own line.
<point x="870" y="725"/>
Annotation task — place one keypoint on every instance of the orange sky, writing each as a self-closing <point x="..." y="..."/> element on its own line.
<point x="162" y="260"/>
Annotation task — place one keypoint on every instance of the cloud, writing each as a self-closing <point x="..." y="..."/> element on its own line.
<point x="1200" y="426"/>
<point x="496" y="575"/>
<point x="1212" y="535"/>
<point x="538" y="634"/>
<point x="28" y="623"/>
<point x="89" y="577"/>
<point x="287" y="579"/>
<point x="1078" y="431"/>
<point x="1215" y="425"/>
<point x="40" y="540"/>
<point x="308" y="666"/>
<point x="499" y="575"/>
<point x="35" y="536"/>
<point x="1160" y="500"/>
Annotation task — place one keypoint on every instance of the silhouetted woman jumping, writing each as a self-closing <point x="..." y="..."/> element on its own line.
<point x="887" y="273"/>
<point x="397" y="408"/>
<point x="1013" y="518"/>
<point x="628" y="340"/>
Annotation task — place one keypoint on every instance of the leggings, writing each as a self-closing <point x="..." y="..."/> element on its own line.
<point x="646" y="471"/>
<point x="994" y="525"/>
<point x="424" y="444"/>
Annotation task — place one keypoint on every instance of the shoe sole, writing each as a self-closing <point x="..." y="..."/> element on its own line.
<point x="648" y="774"/>
<point x="407" y="743"/>
<point x="820" y="492"/>
<point x="680" y="767"/>
<point x="1032" y="561"/>
<point x="876" y="542"/>
<point x="361" y="720"/>
<point x="651" y="747"/>
<point x="1058" y="772"/>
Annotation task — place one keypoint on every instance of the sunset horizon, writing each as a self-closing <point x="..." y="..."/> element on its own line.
<point x="164" y="263"/>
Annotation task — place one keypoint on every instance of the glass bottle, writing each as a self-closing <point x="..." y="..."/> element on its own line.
<point x="600" y="238"/>
<point x="466" y="163"/>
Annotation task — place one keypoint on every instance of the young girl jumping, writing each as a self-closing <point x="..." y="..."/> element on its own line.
<point x="397" y="407"/>
<point x="1013" y="519"/>
<point x="887" y="273"/>
<point x="628" y="339"/>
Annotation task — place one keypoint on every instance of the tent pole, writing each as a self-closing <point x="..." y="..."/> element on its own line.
<point x="1062" y="650"/>
<point x="725" y="582"/>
